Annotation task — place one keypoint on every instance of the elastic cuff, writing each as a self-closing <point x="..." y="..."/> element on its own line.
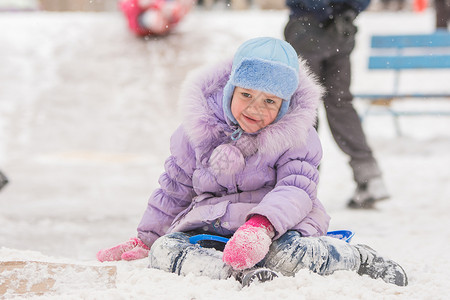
<point x="262" y="222"/>
<point x="140" y="243"/>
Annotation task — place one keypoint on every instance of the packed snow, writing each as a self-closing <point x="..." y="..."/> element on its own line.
<point x="86" y="112"/>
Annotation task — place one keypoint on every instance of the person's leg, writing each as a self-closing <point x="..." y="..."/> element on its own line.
<point x="346" y="128"/>
<point x="439" y="8"/>
<point x="375" y="266"/>
<point x="333" y="70"/>
<point x="324" y="255"/>
<point x="344" y="122"/>
<point x="174" y="253"/>
<point x="442" y="9"/>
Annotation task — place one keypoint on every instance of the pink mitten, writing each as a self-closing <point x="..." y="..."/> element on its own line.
<point x="249" y="244"/>
<point x="130" y="250"/>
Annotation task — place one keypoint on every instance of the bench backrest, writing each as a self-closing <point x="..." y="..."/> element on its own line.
<point x="400" y="43"/>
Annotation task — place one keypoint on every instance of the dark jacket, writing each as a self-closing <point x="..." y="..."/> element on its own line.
<point x="325" y="9"/>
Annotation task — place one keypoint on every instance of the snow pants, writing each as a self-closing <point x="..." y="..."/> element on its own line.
<point x="287" y="255"/>
<point x="327" y="49"/>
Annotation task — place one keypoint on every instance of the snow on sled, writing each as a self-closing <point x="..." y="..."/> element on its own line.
<point x="36" y="277"/>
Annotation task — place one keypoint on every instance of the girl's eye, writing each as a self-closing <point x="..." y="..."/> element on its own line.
<point x="270" y="101"/>
<point x="246" y="95"/>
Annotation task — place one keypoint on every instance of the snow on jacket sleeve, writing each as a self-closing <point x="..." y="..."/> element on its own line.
<point x="175" y="192"/>
<point x="293" y="203"/>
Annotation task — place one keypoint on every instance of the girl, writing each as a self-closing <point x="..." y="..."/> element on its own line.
<point x="244" y="165"/>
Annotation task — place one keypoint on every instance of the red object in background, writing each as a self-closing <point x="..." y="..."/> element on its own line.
<point x="160" y="15"/>
<point x="420" y="5"/>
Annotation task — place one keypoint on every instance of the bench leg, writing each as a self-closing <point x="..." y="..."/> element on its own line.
<point x="398" y="130"/>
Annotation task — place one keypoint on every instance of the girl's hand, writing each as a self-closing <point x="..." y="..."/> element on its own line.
<point x="249" y="244"/>
<point x="130" y="250"/>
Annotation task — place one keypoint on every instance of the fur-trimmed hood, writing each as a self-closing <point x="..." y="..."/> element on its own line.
<point x="204" y="120"/>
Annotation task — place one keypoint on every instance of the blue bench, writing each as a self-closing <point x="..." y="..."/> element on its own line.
<point x="393" y="52"/>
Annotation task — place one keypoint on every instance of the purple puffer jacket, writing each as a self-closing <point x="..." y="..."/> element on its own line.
<point x="278" y="179"/>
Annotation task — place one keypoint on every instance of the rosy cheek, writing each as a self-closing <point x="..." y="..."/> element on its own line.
<point x="272" y="115"/>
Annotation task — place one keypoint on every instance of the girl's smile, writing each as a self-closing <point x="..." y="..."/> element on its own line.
<point x="251" y="120"/>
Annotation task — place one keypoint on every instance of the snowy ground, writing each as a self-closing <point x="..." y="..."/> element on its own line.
<point x="86" y="110"/>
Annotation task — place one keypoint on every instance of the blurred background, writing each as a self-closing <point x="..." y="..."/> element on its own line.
<point x="111" y="5"/>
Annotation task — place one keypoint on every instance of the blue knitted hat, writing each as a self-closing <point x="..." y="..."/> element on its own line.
<point x="265" y="64"/>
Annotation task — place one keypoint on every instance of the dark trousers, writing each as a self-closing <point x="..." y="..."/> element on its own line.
<point x="442" y="8"/>
<point x="327" y="51"/>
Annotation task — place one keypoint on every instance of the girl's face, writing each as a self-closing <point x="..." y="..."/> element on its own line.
<point x="254" y="109"/>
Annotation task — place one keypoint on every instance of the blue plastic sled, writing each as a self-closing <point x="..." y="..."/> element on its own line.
<point x="345" y="235"/>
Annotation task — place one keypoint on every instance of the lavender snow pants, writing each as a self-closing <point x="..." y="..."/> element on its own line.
<point x="287" y="255"/>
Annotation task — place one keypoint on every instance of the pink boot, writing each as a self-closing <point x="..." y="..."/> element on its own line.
<point x="140" y="251"/>
<point x="249" y="244"/>
<point x="130" y="250"/>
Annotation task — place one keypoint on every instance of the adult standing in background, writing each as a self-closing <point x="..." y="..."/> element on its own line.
<point x="323" y="33"/>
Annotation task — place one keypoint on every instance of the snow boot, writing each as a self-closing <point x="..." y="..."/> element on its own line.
<point x="248" y="277"/>
<point x="368" y="193"/>
<point x="376" y="266"/>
